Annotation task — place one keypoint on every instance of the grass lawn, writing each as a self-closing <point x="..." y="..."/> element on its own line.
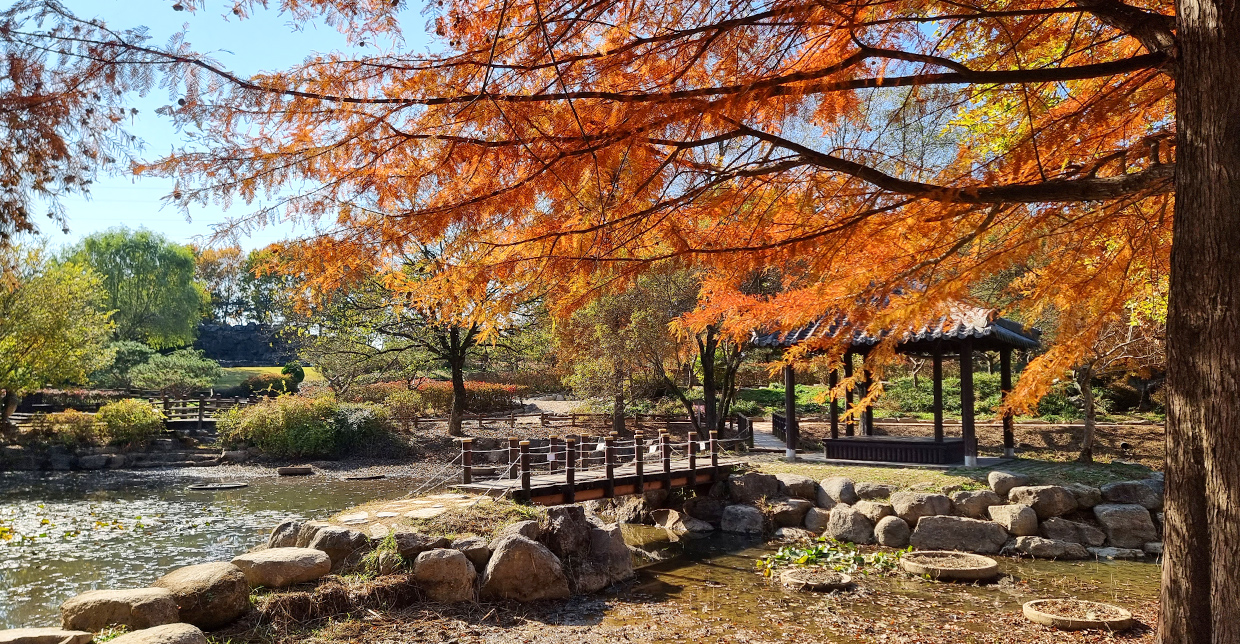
<point x="234" y="376"/>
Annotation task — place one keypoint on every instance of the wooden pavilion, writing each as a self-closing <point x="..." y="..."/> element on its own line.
<point x="962" y="333"/>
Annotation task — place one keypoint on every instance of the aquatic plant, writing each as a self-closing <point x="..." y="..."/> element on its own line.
<point x="835" y="555"/>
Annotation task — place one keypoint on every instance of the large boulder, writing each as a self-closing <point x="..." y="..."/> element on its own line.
<point x="868" y="491"/>
<point x="1116" y="553"/>
<point x="873" y="510"/>
<point x="410" y="544"/>
<point x="1049" y="548"/>
<point x="822" y="499"/>
<point x="636" y="508"/>
<point x="1002" y="482"/>
<point x="567" y="533"/>
<point x="340" y="544"/>
<point x="528" y="529"/>
<point x="305" y="534"/>
<point x="788" y="512"/>
<point x="1126" y="525"/>
<point x="280" y="567"/>
<point x="524" y="570"/>
<point x="742" y="519"/>
<point x="1061" y="529"/>
<point x="1018" y="519"/>
<point x="136" y="608"/>
<point x="445" y="575"/>
<point x="816" y="519"/>
<point x="1147" y="494"/>
<point x="705" y="508"/>
<point x="912" y="506"/>
<point x="958" y="533"/>
<point x="476" y="549"/>
<point x="973" y="503"/>
<point x="794" y="534"/>
<point x="840" y="489"/>
<point x="167" y="634"/>
<point x="892" y="531"/>
<point x="285" y="534"/>
<point x="1087" y="496"/>
<point x="609" y="561"/>
<point x="44" y="636"/>
<point x="209" y="595"/>
<point x="845" y="523"/>
<point x="1046" y="500"/>
<point x="679" y="522"/>
<point x="797" y="485"/>
<point x="752" y="487"/>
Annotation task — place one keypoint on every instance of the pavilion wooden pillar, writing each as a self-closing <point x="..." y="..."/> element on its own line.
<point x="867" y="384"/>
<point x="832" y="381"/>
<point x="791" y="430"/>
<point x="848" y="395"/>
<point x="937" y="376"/>
<point x="967" y="429"/>
<point x="1005" y="385"/>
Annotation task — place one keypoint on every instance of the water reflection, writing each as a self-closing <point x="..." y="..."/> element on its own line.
<point x="64" y="533"/>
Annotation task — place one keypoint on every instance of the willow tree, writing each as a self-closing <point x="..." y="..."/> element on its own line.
<point x="578" y="144"/>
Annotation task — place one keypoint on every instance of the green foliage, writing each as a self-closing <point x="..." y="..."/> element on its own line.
<point x="269" y="384"/>
<point x="295" y="373"/>
<point x="177" y="374"/>
<point x="298" y="427"/>
<point x="826" y="552"/>
<point x="52" y="328"/>
<point x="70" y="428"/>
<point x="127" y="354"/>
<point x="149" y="283"/>
<point x="130" y="421"/>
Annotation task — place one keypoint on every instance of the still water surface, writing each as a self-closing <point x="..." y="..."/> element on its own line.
<point x="67" y="532"/>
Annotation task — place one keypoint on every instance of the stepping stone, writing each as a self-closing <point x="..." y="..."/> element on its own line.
<point x="44" y="636"/>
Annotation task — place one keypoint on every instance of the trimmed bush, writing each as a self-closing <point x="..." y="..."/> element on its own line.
<point x="299" y="427"/>
<point x="294" y="373"/>
<point x="269" y="384"/>
<point x="436" y="395"/>
<point x="70" y="428"/>
<point x="130" y="422"/>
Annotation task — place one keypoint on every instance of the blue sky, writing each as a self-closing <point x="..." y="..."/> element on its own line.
<point x="262" y="42"/>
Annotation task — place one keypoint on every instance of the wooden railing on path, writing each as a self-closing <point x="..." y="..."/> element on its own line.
<point x="577" y="472"/>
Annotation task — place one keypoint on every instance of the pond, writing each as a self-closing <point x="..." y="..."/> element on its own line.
<point x="65" y="533"/>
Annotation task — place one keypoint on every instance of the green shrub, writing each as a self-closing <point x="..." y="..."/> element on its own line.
<point x="294" y="373"/>
<point x="269" y="384"/>
<point x="70" y="428"/>
<point x="130" y="421"/>
<point x="404" y="406"/>
<point x="299" y="427"/>
<point x="176" y="374"/>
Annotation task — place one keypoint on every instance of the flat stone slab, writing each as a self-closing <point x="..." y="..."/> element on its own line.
<point x="1077" y="615"/>
<point x="136" y="608"/>
<point x="950" y="565"/>
<point x="376" y="518"/>
<point x="44" y="636"/>
<point x="280" y="567"/>
<point x="167" y="634"/>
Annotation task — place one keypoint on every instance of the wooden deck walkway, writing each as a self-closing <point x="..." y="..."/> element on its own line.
<point x="565" y="486"/>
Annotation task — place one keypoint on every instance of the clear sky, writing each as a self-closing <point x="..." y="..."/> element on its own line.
<point x="262" y="42"/>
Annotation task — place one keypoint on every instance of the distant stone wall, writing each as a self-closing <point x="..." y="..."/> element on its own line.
<point x="244" y="345"/>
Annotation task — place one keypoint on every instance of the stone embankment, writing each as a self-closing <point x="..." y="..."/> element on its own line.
<point x="571" y="551"/>
<point x="163" y="452"/>
<point x="1117" y="521"/>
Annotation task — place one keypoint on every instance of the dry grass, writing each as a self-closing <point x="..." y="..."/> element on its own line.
<point x="481" y="519"/>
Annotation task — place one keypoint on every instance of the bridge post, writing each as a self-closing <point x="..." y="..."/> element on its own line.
<point x="514" y="456"/>
<point x="467" y="460"/>
<point x="202" y="403"/>
<point x="665" y="441"/>
<point x="639" y="452"/>
<point x="525" y="471"/>
<point x="609" y="455"/>
<point x="570" y="469"/>
<point x="551" y="444"/>
<point x="692" y="459"/>
<point x="714" y="455"/>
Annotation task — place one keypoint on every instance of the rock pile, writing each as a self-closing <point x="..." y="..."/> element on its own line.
<point x="1012" y="517"/>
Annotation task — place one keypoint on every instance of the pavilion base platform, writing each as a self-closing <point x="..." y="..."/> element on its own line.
<point x="983" y="462"/>
<point x="895" y="449"/>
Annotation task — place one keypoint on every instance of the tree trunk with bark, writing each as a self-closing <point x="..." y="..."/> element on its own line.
<point x="708" y="342"/>
<point x="456" y="361"/>
<point x="1084" y="380"/>
<point x="9" y="406"/>
<point x="1201" y="571"/>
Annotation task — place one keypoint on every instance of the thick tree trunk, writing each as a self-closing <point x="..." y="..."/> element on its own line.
<point x="9" y="405"/>
<point x="1201" y="571"/>
<point x="1084" y="380"/>
<point x="617" y="413"/>
<point x="456" y="360"/>
<point x="710" y="397"/>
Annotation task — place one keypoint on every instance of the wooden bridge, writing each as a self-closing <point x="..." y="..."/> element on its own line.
<point x="567" y="472"/>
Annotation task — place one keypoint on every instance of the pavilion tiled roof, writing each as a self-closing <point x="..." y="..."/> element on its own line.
<point x="987" y="330"/>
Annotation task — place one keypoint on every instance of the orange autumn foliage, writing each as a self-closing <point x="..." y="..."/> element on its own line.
<point x="891" y="152"/>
